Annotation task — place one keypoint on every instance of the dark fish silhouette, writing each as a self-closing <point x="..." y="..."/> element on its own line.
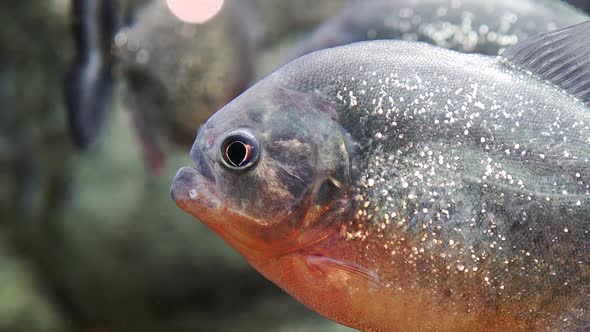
<point x="89" y="82"/>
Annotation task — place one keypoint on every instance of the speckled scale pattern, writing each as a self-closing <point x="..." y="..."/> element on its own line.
<point x="486" y="27"/>
<point x="471" y="171"/>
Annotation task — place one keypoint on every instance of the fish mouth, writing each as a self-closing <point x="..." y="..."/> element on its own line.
<point x="196" y="195"/>
<point x="194" y="192"/>
<point x="193" y="188"/>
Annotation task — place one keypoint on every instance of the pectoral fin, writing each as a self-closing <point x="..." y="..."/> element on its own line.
<point x="343" y="270"/>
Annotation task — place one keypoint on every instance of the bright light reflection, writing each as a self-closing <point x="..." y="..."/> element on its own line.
<point x="194" y="11"/>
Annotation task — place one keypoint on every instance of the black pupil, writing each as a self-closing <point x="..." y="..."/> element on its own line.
<point x="237" y="153"/>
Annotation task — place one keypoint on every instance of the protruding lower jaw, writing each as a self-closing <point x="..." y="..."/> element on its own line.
<point x="194" y="193"/>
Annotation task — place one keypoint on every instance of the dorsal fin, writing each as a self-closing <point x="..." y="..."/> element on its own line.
<point x="562" y="57"/>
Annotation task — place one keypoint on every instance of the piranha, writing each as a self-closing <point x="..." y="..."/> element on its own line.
<point x="398" y="186"/>
<point x="473" y="26"/>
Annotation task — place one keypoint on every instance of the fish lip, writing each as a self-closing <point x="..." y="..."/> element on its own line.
<point x="193" y="192"/>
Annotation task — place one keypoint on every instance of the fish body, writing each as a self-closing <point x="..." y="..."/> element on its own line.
<point x="394" y="185"/>
<point x="472" y="26"/>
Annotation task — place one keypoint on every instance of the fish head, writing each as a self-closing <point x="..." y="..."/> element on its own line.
<point x="271" y="170"/>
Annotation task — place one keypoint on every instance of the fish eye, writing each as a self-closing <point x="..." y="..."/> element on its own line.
<point x="239" y="150"/>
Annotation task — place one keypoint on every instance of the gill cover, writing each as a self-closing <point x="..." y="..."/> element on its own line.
<point x="275" y="156"/>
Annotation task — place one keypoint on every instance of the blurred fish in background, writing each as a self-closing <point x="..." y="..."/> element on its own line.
<point x="471" y="26"/>
<point x="177" y="73"/>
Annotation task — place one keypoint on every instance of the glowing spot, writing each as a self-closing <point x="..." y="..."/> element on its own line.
<point x="191" y="11"/>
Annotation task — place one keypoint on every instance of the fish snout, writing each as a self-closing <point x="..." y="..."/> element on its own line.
<point x="192" y="192"/>
<point x="181" y="182"/>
